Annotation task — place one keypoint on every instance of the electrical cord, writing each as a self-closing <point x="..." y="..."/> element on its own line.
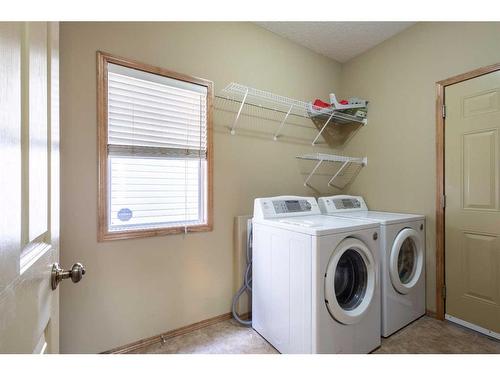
<point x="247" y="280"/>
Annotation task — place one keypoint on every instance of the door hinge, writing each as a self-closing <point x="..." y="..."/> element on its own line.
<point x="443" y="111"/>
<point x="443" y="292"/>
<point x="443" y="201"/>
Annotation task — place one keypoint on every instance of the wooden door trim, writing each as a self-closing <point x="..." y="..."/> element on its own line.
<point x="440" y="174"/>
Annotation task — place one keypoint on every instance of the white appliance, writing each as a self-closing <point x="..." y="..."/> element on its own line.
<point x="315" y="278"/>
<point x="402" y="258"/>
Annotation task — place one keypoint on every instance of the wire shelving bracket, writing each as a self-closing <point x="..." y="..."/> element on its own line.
<point x="287" y="106"/>
<point x="343" y="175"/>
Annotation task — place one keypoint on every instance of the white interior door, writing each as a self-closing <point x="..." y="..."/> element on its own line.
<point x="472" y="216"/>
<point x="29" y="186"/>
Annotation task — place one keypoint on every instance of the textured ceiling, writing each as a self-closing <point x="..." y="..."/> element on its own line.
<point x="340" y="41"/>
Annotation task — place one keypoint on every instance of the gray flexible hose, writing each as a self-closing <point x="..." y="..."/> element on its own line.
<point x="247" y="281"/>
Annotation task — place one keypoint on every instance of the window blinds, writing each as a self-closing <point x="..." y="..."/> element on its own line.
<point x="157" y="150"/>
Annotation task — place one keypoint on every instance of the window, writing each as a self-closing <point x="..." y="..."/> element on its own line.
<point x="155" y="160"/>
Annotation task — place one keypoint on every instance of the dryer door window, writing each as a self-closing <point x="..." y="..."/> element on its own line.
<point x="350" y="281"/>
<point x="406" y="260"/>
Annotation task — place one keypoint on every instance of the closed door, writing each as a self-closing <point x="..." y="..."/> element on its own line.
<point x="472" y="218"/>
<point x="29" y="186"/>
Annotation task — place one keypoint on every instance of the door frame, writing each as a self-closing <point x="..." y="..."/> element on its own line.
<point x="440" y="174"/>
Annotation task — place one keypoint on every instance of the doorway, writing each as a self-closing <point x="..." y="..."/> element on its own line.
<point x="468" y="200"/>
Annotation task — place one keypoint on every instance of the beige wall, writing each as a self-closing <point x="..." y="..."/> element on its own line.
<point x="139" y="288"/>
<point x="398" y="77"/>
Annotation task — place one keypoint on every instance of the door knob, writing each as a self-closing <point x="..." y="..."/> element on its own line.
<point x="58" y="274"/>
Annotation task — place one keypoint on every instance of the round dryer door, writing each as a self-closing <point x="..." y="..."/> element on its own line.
<point x="350" y="281"/>
<point x="406" y="260"/>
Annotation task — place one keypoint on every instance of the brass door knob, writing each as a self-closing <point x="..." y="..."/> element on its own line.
<point x="58" y="274"/>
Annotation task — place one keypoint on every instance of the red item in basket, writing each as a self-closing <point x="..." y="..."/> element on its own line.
<point x="320" y="103"/>
<point x="343" y="102"/>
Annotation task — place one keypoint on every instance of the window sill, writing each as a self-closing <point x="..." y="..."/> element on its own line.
<point x="143" y="233"/>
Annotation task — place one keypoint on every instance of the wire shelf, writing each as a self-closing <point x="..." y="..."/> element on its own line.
<point x="322" y="117"/>
<point x="347" y="171"/>
<point x="261" y="97"/>
<point x="333" y="158"/>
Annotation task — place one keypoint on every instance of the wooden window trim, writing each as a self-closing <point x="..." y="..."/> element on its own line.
<point x="103" y="233"/>
<point x="440" y="175"/>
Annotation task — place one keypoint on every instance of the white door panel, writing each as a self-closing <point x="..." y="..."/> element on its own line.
<point x="472" y="216"/>
<point x="10" y="153"/>
<point x="29" y="186"/>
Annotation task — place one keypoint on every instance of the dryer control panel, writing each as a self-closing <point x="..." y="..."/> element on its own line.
<point x="285" y="206"/>
<point x="341" y="203"/>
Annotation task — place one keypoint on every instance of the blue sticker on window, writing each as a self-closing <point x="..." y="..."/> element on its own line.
<point x="125" y="214"/>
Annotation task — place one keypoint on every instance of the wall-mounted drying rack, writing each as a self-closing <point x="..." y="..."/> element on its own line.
<point x="349" y="168"/>
<point x="246" y="95"/>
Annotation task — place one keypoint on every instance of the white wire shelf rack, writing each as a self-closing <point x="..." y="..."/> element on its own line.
<point x="322" y="117"/>
<point x="348" y="169"/>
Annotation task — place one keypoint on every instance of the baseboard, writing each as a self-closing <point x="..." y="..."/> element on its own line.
<point x="431" y="314"/>
<point x="167" y="335"/>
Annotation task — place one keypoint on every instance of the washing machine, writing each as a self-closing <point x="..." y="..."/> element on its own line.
<point x="315" y="278"/>
<point x="402" y="258"/>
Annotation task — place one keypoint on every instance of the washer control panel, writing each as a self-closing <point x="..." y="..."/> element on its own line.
<point x="291" y="205"/>
<point x="285" y="206"/>
<point x="341" y="203"/>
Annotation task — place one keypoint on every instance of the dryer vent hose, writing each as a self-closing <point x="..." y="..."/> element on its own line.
<point x="247" y="278"/>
